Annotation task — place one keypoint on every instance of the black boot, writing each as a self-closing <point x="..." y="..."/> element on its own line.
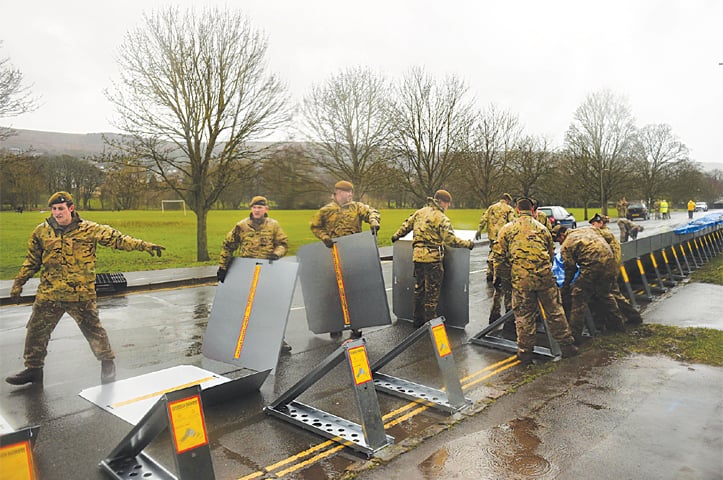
<point x="107" y="371"/>
<point x="356" y="334"/>
<point x="29" y="375"/>
<point x="285" y="347"/>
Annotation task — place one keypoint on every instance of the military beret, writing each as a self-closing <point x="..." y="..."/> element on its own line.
<point x="60" y="197"/>
<point x="596" y="218"/>
<point x="258" y="200"/>
<point x="344" y="185"/>
<point x="443" y="195"/>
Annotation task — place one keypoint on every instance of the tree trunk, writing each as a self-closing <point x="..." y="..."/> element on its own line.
<point x="201" y="240"/>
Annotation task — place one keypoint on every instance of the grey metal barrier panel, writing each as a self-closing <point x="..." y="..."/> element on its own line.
<point x="656" y="242"/>
<point x="644" y="246"/>
<point x="363" y="282"/>
<point x="249" y="313"/>
<point x="629" y="250"/>
<point x="454" y="297"/>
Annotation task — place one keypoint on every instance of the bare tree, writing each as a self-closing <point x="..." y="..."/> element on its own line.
<point x="347" y="119"/>
<point x="602" y="137"/>
<point x="193" y="91"/>
<point x="529" y="164"/>
<point x="431" y="119"/>
<point x="660" y="152"/>
<point x="491" y="137"/>
<point x="15" y="98"/>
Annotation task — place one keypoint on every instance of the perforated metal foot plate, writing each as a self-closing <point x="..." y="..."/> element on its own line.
<point x="141" y="466"/>
<point x="413" y="391"/>
<point x="327" y="425"/>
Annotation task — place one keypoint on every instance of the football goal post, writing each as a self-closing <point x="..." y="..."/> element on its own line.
<point x="174" y="205"/>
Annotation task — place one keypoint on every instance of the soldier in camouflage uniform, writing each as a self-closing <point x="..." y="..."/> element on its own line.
<point x="493" y="219"/>
<point x="503" y="287"/>
<point x="628" y="229"/>
<point x="343" y="216"/>
<point x="631" y="315"/>
<point x="541" y="216"/>
<point x="64" y="246"/>
<point x="528" y="247"/>
<point x="585" y="247"/>
<point x="256" y="236"/>
<point x="340" y="217"/>
<point x="432" y="234"/>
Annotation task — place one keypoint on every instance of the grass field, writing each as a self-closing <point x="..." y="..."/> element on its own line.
<point x="178" y="234"/>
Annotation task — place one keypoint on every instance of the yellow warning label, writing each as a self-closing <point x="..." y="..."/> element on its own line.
<point x="187" y="425"/>
<point x="16" y="461"/>
<point x="360" y="365"/>
<point x="441" y="340"/>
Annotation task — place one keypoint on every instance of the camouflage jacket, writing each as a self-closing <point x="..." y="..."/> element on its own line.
<point x="613" y="242"/>
<point x="527" y="246"/>
<point x="432" y="233"/>
<point x="494" y="218"/>
<point x="626" y="225"/>
<point x="541" y="217"/>
<point x="334" y="220"/>
<point x="68" y="255"/>
<point x="253" y="240"/>
<point x="586" y="247"/>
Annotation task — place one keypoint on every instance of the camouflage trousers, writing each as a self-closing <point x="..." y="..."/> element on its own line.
<point x="629" y="312"/>
<point x="595" y="285"/>
<point x="502" y="294"/>
<point x="526" y="306"/>
<point x="44" y="319"/>
<point x="427" y="288"/>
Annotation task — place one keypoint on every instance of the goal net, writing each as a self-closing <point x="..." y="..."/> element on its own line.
<point x="176" y="205"/>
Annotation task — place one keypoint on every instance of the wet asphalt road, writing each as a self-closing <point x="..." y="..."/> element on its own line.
<point x="163" y="328"/>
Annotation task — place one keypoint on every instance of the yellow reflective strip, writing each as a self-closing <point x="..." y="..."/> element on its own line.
<point x="640" y="267"/>
<point x="340" y="284"/>
<point x="542" y="310"/>
<point x="160" y="392"/>
<point x="247" y="312"/>
<point x="665" y="257"/>
<point x="652" y="257"/>
<point x="625" y="274"/>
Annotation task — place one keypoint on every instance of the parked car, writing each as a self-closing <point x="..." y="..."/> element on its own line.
<point x="558" y="214"/>
<point x="701" y="207"/>
<point x="638" y="210"/>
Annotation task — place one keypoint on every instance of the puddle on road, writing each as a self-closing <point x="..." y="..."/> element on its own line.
<point x="507" y="451"/>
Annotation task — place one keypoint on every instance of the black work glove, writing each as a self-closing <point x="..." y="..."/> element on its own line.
<point x="374" y="227"/>
<point x="221" y="275"/>
<point x="272" y="257"/>
<point x="478" y="235"/>
<point x="470" y="245"/>
<point x="394" y="238"/>
<point x="328" y="242"/>
<point x="154" y="249"/>
<point x="497" y="283"/>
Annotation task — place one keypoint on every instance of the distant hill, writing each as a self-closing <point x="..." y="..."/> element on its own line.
<point x="56" y="143"/>
<point x="86" y="144"/>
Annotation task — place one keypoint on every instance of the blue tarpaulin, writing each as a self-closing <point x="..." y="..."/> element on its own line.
<point x="558" y="270"/>
<point x="710" y="220"/>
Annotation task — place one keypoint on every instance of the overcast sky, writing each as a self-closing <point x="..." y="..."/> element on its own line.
<point x="537" y="59"/>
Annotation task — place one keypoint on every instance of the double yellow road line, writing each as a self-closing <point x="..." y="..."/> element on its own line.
<point x="329" y="447"/>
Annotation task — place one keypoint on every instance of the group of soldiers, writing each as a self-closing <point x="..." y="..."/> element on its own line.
<point x="519" y="266"/>
<point x="522" y="253"/>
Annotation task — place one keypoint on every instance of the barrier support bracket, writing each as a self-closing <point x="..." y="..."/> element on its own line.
<point x="450" y="401"/>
